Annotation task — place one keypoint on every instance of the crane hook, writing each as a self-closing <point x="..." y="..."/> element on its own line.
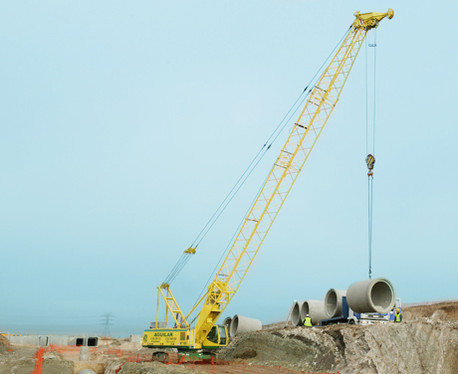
<point x="370" y="161"/>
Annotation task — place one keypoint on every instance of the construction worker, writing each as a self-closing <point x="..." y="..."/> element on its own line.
<point x="397" y="316"/>
<point x="307" y="321"/>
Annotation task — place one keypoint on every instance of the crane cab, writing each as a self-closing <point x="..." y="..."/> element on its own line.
<point x="216" y="338"/>
<point x="184" y="338"/>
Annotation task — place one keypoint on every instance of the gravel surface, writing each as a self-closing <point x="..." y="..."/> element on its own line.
<point x="425" y="342"/>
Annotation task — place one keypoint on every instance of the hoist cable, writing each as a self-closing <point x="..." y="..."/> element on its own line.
<point x="240" y="181"/>
<point x="176" y="268"/>
<point x="370" y="192"/>
<point x="223" y="254"/>
<point x="370" y="150"/>
<point x="375" y="91"/>
<point x="297" y="105"/>
<point x="275" y="134"/>
<point x="248" y="171"/>
<point x="367" y="96"/>
<point x="255" y="162"/>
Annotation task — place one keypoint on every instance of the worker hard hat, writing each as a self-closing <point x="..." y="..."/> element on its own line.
<point x="307" y="315"/>
<point x="397" y="309"/>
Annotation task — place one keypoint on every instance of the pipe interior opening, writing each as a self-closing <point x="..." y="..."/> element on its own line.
<point x="295" y="314"/>
<point x="234" y="326"/>
<point x="305" y="309"/>
<point x="382" y="295"/>
<point x="92" y="342"/>
<point x="331" y="303"/>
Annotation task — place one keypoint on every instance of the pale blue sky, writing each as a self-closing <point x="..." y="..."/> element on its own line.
<point x="125" y="123"/>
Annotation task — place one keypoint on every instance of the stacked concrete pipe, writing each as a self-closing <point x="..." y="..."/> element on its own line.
<point x="315" y="310"/>
<point x="333" y="302"/>
<point x="371" y="296"/>
<point x="296" y="318"/>
<point x="241" y="324"/>
<point x="288" y="318"/>
<point x="227" y="322"/>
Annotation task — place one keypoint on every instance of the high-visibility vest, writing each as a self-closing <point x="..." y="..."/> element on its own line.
<point x="397" y="317"/>
<point x="308" y="322"/>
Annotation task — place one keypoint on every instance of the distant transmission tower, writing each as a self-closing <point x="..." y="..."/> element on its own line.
<point x="106" y="321"/>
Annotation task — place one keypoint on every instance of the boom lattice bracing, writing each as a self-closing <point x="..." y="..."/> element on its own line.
<point x="319" y="106"/>
<point x="320" y="103"/>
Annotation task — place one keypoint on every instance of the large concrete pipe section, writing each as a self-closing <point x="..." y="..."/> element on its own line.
<point x="227" y="322"/>
<point x="241" y="324"/>
<point x="296" y="318"/>
<point x="315" y="309"/>
<point x="371" y="296"/>
<point x="333" y="302"/>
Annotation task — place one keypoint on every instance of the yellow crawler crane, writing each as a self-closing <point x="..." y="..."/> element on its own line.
<point x="320" y="103"/>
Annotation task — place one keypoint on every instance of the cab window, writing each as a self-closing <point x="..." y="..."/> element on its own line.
<point x="222" y="335"/>
<point x="213" y="335"/>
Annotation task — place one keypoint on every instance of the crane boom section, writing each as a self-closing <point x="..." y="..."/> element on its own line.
<point x="320" y="103"/>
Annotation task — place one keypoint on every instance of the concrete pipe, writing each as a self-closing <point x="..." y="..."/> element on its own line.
<point x="315" y="309"/>
<point x="241" y="324"/>
<point x="333" y="302"/>
<point x="296" y="318"/>
<point x="84" y="354"/>
<point x="371" y="296"/>
<point x="227" y="322"/>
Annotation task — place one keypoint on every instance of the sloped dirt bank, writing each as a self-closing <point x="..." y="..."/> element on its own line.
<point x="421" y="344"/>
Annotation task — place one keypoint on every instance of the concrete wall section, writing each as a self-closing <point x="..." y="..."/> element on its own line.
<point x="46" y="340"/>
<point x="24" y="339"/>
<point x="58" y="340"/>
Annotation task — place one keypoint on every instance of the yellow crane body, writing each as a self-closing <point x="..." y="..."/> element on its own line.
<point x="319" y="105"/>
<point x="184" y="339"/>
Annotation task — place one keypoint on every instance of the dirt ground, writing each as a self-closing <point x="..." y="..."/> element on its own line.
<point x="21" y="360"/>
<point x="425" y="342"/>
<point x="447" y="311"/>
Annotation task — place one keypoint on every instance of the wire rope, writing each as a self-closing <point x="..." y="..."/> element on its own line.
<point x="275" y="134"/>
<point x="375" y="90"/>
<point x="184" y="258"/>
<point x="370" y="194"/>
<point x="370" y="148"/>
<point x="297" y="104"/>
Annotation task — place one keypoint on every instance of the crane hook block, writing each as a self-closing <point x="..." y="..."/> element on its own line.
<point x="370" y="161"/>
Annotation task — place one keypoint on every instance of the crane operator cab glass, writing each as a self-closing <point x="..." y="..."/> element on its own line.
<point x="217" y="337"/>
